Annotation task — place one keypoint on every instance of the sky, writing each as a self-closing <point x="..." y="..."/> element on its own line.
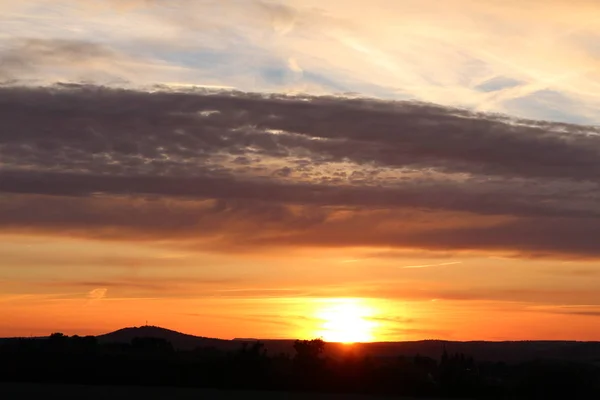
<point x="397" y="170"/>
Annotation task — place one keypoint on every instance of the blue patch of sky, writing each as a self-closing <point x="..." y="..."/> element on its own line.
<point x="548" y="105"/>
<point x="230" y="66"/>
<point x="322" y="80"/>
<point x="269" y="71"/>
<point x="361" y="87"/>
<point x="203" y="58"/>
<point x="277" y="75"/>
<point x="497" y="83"/>
<point x="247" y="66"/>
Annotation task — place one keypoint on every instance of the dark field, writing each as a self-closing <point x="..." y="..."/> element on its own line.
<point x="9" y="391"/>
<point x="151" y="368"/>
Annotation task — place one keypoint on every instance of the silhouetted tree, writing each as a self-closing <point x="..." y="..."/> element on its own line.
<point x="57" y="341"/>
<point x="58" y="337"/>
<point x="308" y="362"/>
<point x="309" y="350"/>
<point x="251" y="364"/>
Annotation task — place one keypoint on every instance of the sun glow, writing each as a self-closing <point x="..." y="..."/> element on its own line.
<point x="346" y="321"/>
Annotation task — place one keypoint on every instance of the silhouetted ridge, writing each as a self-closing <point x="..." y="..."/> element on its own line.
<point x="508" y="351"/>
<point x="180" y="341"/>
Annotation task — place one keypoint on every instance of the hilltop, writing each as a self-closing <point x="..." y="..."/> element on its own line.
<point x="180" y="341"/>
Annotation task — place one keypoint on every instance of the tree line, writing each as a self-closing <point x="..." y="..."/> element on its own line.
<point x="154" y="361"/>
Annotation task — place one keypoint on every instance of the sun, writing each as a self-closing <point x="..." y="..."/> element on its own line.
<point x="346" y="321"/>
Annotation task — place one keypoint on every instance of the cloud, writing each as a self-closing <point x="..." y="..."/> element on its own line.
<point x="174" y="131"/>
<point x="28" y="53"/>
<point x="97" y="294"/>
<point x="293" y="64"/>
<point x="278" y="320"/>
<point x="431" y="265"/>
<point x="484" y="56"/>
<point x="234" y="170"/>
<point x="32" y="58"/>
<point x="392" y="320"/>
<point x="582" y="310"/>
<point x="41" y="61"/>
<point x="571" y="298"/>
<point x="155" y="287"/>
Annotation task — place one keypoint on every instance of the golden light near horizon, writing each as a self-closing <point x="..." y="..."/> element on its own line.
<point x="346" y="321"/>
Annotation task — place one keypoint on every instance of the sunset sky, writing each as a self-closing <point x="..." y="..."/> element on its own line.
<point x="352" y="170"/>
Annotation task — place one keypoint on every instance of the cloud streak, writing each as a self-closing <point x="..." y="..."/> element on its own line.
<point x="431" y="265"/>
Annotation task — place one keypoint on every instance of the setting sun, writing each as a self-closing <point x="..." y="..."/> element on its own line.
<point x="346" y="321"/>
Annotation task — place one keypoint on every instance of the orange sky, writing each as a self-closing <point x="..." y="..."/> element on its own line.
<point x="400" y="170"/>
<point x="90" y="287"/>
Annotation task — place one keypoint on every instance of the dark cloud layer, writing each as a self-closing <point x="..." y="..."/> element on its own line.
<point x="274" y="170"/>
<point x="91" y="120"/>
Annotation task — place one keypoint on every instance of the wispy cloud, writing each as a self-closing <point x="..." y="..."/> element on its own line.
<point x="97" y="294"/>
<point x="581" y="310"/>
<point x="317" y="47"/>
<point x="431" y="265"/>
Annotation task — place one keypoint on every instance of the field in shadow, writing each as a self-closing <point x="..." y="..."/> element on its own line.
<point x="12" y="391"/>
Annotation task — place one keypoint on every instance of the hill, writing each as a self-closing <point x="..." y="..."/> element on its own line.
<point x="180" y="341"/>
